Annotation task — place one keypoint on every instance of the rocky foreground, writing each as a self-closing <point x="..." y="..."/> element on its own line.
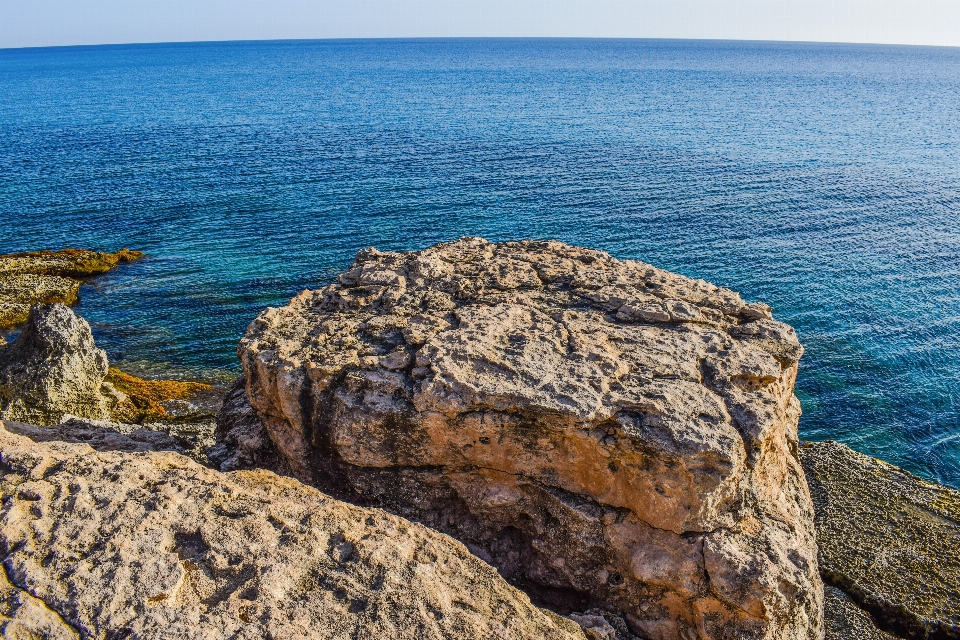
<point x="152" y="545"/>
<point x="618" y="442"/>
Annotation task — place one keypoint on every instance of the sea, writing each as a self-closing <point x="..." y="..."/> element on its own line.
<point x="823" y="179"/>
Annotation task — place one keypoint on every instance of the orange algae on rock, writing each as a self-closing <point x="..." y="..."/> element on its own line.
<point x="144" y="398"/>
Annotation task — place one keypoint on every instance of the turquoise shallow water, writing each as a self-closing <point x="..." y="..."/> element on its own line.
<point x="822" y="179"/>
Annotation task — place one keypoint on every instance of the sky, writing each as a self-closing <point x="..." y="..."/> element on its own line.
<point x="38" y="23"/>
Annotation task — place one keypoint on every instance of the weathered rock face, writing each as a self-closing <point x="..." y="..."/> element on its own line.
<point x="45" y="277"/>
<point x="605" y="433"/>
<point x="152" y="545"/>
<point x="53" y="368"/>
<point x="888" y="539"/>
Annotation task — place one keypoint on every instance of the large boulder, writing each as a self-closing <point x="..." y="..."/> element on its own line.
<point x="606" y="433"/>
<point x="53" y="368"/>
<point x="888" y="540"/>
<point x="106" y="545"/>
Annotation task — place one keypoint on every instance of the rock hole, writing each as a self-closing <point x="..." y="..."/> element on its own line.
<point x="190" y="546"/>
<point x="357" y="606"/>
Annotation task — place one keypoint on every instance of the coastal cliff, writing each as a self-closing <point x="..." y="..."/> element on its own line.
<point x="618" y="442"/>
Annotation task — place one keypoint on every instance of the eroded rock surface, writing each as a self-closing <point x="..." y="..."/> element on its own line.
<point x="152" y="545"/>
<point x="23" y="617"/>
<point x="888" y="539"/>
<point x="604" y="432"/>
<point x="53" y="368"/>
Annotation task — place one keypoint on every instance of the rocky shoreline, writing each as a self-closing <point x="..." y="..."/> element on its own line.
<point x="555" y="433"/>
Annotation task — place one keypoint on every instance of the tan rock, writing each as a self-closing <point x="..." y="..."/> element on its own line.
<point x="606" y="433"/>
<point x="152" y="545"/>
<point x="53" y="368"/>
<point x="23" y="617"/>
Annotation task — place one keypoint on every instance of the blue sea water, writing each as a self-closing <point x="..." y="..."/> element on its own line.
<point x="822" y="179"/>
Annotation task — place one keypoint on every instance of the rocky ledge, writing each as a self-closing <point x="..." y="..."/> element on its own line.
<point x="45" y="277"/>
<point x="888" y="546"/>
<point x="605" y="433"/>
<point x="103" y="544"/>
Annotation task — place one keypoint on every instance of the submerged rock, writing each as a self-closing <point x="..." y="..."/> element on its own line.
<point x="53" y="368"/>
<point x="70" y="263"/>
<point x="888" y="539"/>
<point x="152" y="545"/>
<point x="46" y="277"/>
<point x="606" y="433"/>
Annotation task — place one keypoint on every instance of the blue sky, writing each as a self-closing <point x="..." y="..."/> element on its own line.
<point x="65" y="22"/>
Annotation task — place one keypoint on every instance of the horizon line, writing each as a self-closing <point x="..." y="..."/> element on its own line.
<point x="428" y="38"/>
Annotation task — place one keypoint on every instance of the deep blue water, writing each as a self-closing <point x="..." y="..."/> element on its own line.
<point x="823" y="179"/>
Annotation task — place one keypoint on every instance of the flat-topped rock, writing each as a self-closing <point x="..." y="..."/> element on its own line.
<point x="105" y="544"/>
<point x="100" y="435"/>
<point x="46" y="277"/>
<point x="888" y="539"/>
<point x="606" y="433"/>
<point x="844" y="620"/>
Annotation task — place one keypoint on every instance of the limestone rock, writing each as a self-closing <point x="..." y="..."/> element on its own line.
<point x="45" y="277"/>
<point x="20" y="291"/>
<point x="53" y="368"/>
<point x="888" y="539"/>
<point x="606" y="433"/>
<point x="152" y="545"/>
